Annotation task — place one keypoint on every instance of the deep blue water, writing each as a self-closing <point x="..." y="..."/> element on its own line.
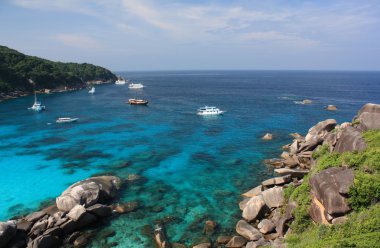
<point x="194" y="167"/>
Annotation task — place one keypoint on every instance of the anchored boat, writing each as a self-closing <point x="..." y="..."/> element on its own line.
<point x="137" y="102"/>
<point x="66" y="120"/>
<point x="210" y="111"/>
<point x="37" y="106"/>
<point x="135" y="86"/>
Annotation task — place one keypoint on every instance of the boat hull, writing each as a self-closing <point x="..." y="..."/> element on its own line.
<point x="66" y="120"/>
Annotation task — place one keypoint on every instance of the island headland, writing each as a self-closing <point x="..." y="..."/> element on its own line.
<point x="22" y="75"/>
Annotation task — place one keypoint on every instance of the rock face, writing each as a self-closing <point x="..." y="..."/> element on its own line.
<point x="329" y="187"/>
<point x="350" y="140"/>
<point x="88" y="192"/>
<point x="247" y="231"/>
<point x="274" y="197"/>
<point x="7" y="231"/>
<point x="320" y="129"/>
<point x="369" y="117"/>
<point x="253" y="207"/>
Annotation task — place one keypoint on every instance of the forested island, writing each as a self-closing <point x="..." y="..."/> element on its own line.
<point x="21" y="74"/>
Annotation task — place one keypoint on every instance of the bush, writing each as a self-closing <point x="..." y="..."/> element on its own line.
<point x="366" y="190"/>
<point x="301" y="195"/>
<point x="323" y="150"/>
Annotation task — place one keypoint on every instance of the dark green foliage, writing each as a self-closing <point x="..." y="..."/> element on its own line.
<point x="328" y="160"/>
<point x="322" y="150"/>
<point x="16" y="69"/>
<point x="301" y="195"/>
<point x="362" y="229"/>
<point x="366" y="190"/>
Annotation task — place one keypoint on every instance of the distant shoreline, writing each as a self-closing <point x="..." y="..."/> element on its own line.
<point x="19" y="93"/>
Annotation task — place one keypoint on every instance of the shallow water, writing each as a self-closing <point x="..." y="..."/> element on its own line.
<point x="194" y="167"/>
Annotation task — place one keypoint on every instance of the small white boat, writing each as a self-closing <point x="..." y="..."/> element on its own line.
<point x="37" y="106"/>
<point x="66" y="120"/>
<point x="92" y="91"/>
<point x="210" y="111"/>
<point x="120" y="81"/>
<point x="135" y="86"/>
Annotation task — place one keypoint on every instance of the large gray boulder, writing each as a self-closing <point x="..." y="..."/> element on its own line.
<point x="321" y="129"/>
<point x="273" y="197"/>
<point x="350" y="140"/>
<point x="88" y="192"/>
<point x="247" y="231"/>
<point x="368" y="117"/>
<point x="253" y="208"/>
<point x="7" y="231"/>
<point x="329" y="187"/>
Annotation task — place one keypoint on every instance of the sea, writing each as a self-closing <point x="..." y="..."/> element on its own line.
<point x="193" y="168"/>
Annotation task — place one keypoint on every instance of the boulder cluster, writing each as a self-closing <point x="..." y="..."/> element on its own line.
<point x="79" y="206"/>
<point x="266" y="216"/>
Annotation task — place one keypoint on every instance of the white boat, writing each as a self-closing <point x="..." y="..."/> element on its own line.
<point x="120" y="81"/>
<point x="135" y="86"/>
<point x="210" y="111"/>
<point x="66" y="120"/>
<point x="92" y="91"/>
<point x="37" y="106"/>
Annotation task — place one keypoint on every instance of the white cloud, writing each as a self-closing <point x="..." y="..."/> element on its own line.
<point x="78" y="41"/>
<point x="220" y="22"/>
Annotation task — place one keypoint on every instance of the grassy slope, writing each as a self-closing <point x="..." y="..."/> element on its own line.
<point x="363" y="226"/>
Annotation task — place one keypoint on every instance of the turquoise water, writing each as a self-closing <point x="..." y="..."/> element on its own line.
<point x="194" y="168"/>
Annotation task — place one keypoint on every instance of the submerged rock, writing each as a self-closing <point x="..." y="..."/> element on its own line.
<point x="209" y="227"/>
<point x="127" y="207"/>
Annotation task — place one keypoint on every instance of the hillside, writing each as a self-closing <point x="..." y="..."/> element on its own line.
<point x="23" y="74"/>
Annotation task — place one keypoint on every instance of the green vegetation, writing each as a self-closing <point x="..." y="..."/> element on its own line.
<point x="363" y="226"/>
<point x="361" y="230"/>
<point x="17" y="69"/>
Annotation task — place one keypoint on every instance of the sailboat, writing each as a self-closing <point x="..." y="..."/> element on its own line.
<point x="37" y="106"/>
<point x="92" y="91"/>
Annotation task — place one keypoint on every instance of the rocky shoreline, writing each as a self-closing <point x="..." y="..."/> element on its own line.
<point x="82" y="205"/>
<point x="266" y="215"/>
<point x="21" y="93"/>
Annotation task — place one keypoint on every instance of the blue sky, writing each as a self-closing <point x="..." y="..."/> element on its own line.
<point x="195" y="34"/>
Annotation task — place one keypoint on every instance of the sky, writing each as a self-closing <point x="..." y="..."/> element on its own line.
<point x="197" y="35"/>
